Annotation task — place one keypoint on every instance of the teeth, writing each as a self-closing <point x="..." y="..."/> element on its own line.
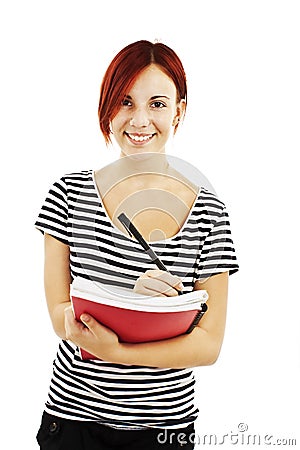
<point x="140" y="138"/>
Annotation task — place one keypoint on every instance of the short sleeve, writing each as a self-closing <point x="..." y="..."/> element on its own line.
<point x="53" y="216"/>
<point x="218" y="254"/>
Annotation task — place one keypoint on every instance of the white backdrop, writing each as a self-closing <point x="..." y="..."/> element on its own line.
<point x="242" y="132"/>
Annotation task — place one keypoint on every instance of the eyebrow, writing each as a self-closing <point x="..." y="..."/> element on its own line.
<point x="154" y="97"/>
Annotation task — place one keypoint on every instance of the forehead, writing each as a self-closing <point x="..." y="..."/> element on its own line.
<point x="154" y="81"/>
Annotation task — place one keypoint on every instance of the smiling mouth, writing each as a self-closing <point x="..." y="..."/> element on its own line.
<point x="138" y="138"/>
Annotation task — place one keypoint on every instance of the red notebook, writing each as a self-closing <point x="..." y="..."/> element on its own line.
<point x="135" y="317"/>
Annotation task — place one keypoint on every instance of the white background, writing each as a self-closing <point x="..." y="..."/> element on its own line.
<point x="241" y="131"/>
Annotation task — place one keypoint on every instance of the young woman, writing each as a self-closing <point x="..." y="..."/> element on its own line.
<point x="132" y="393"/>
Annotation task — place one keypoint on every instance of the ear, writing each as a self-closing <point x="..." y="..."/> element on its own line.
<point x="180" y="112"/>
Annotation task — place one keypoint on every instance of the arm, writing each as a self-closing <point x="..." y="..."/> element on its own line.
<point x="199" y="348"/>
<point x="57" y="280"/>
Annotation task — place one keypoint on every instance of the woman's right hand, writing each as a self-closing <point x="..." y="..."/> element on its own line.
<point x="159" y="283"/>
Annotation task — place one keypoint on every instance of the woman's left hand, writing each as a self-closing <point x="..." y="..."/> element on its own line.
<point x="91" y="336"/>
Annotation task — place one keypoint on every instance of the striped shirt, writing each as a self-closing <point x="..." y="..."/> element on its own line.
<point x="128" y="396"/>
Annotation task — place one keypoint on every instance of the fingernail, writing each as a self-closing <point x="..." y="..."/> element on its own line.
<point x="84" y="318"/>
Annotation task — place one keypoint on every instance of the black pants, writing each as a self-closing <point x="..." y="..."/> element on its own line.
<point x="63" y="434"/>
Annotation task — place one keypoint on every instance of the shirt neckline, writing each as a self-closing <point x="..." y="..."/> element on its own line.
<point x="123" y="234"/>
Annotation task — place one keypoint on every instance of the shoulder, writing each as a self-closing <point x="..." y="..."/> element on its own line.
<point x="208" y="203"/>
<point x="77" y="177"/>
<point x="73" y="183"/>
<point x="75" y="180"/>
<point x="209" y="199"/>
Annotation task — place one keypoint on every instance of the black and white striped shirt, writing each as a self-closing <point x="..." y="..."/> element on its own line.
<point x="128" y="396"/>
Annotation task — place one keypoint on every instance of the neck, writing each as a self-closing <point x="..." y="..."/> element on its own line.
<point x="136" y="172"/>
<point x="142" y="163"/>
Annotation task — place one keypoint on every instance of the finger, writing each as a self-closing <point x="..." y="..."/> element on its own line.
<point x="72" y="326"/>
<point x="92" y="324"/>
<point x="152" y="273"/>
<point x="96" y="328"/>
<point x="166" y="277"/>
<point x="89" y="322"/>
<point x="155" y="285"/>
<point x="140" y="289"/>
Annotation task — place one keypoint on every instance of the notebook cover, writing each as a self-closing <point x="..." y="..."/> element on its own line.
<point x="135" y="326"/>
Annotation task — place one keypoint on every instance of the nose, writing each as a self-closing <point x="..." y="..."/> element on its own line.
<point x="140" y="118"/>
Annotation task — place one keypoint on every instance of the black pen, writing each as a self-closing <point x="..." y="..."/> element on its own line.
<point x="134" y="232"/>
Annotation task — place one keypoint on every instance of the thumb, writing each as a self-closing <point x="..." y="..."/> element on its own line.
<point x="87" y="320"/>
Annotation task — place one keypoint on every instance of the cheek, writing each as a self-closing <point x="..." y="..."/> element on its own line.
<point x="116" y="124"/>
<point x="165" y="124"/>
<point x="160" y="116"/>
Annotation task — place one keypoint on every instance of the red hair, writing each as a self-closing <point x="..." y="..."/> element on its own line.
<point x="125" y="68"/>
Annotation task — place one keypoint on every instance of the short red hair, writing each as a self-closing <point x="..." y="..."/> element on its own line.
<point x="125" y="68"/>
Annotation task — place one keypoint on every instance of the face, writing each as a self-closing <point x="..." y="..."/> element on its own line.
<point x="148" y="114"/>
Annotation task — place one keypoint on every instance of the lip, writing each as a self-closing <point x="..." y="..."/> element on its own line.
<point x="139" y="138"/>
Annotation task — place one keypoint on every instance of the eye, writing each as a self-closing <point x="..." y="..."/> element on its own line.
<point x="126" y="102"/>
<point x="158" y="105"/>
